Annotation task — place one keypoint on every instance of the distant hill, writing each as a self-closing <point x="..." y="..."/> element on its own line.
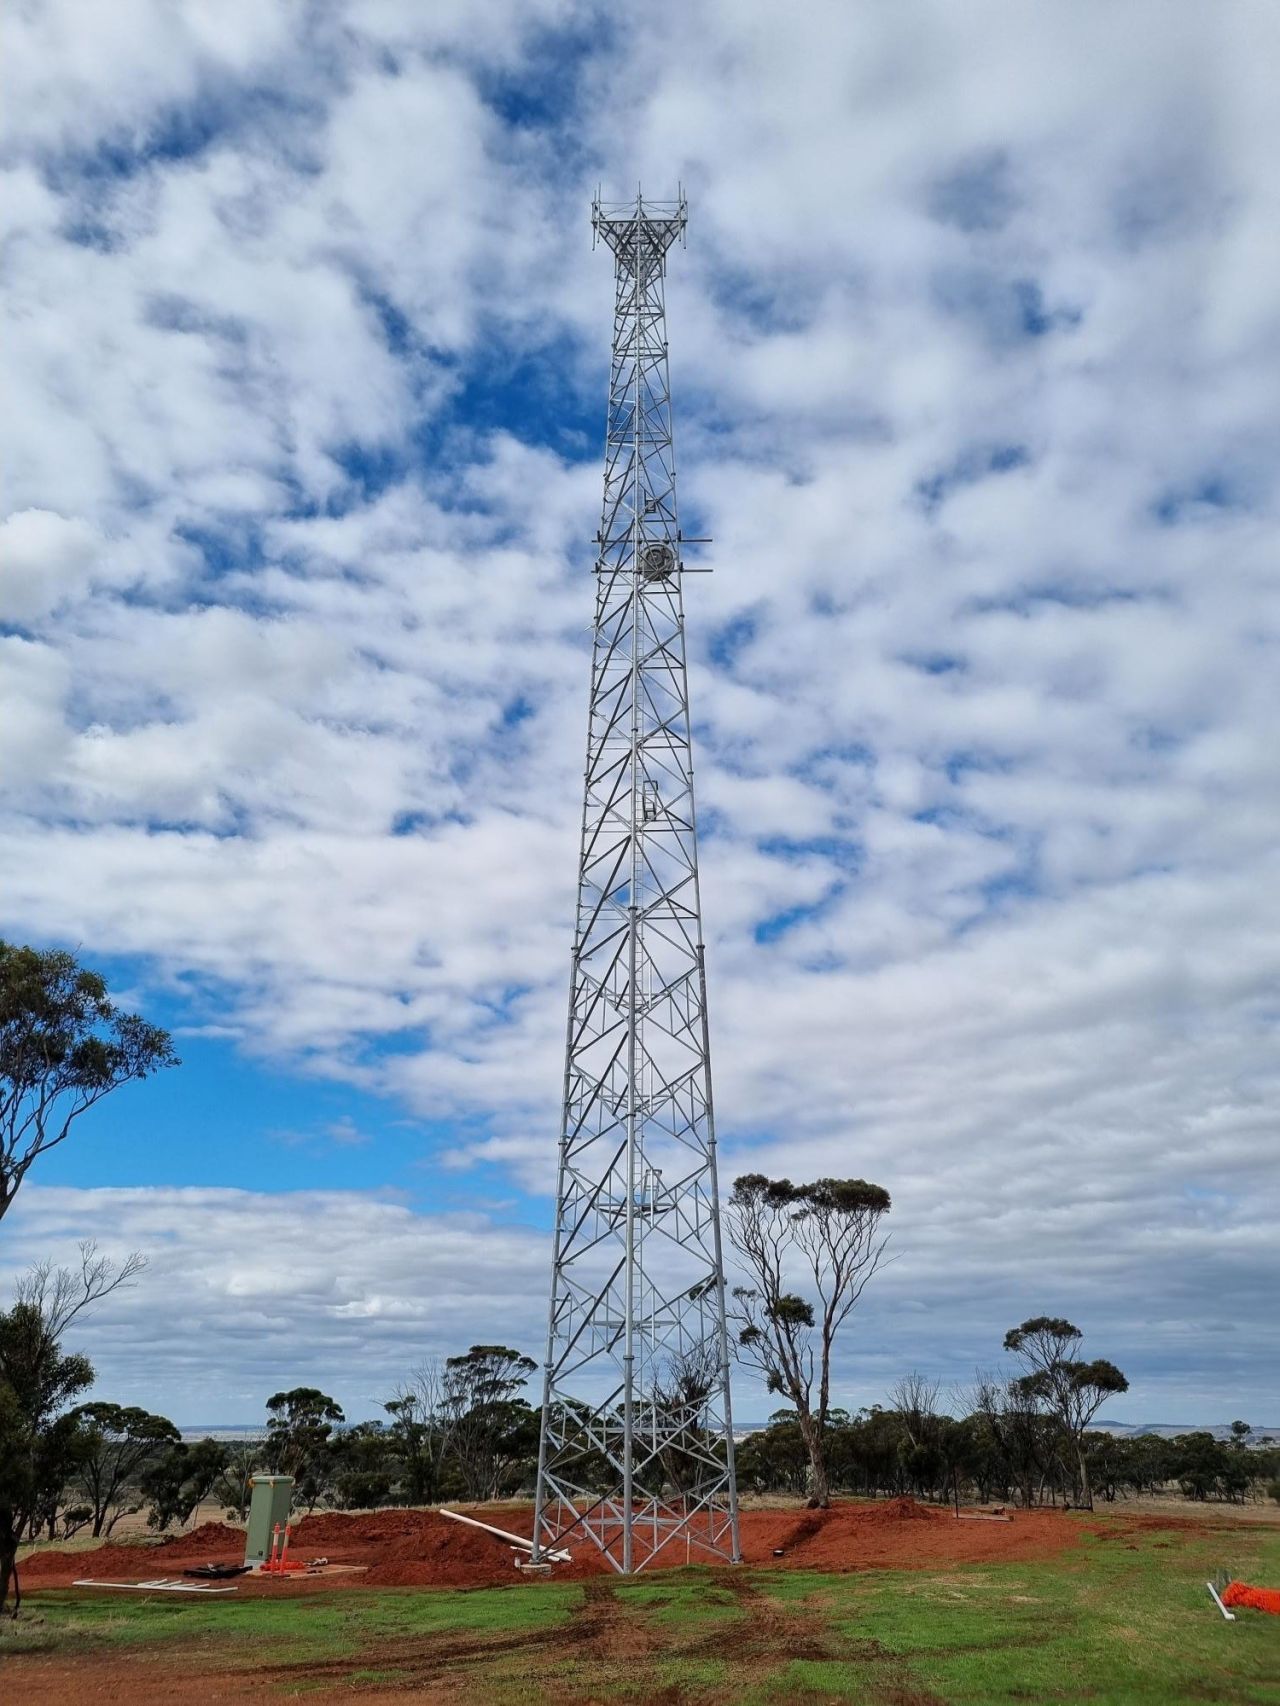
<point x="232" y="1432"/>
<point x="1170" y="1430"/>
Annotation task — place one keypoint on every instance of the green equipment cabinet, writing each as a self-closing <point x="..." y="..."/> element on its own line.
<point x="268" y="1509"/>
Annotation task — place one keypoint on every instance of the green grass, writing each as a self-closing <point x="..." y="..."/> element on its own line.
<point x="1121" y="1621"/>
<point x="308" y="1627"/>
<point x="693" y="1597"/>
<point x="1126" y="1619"/>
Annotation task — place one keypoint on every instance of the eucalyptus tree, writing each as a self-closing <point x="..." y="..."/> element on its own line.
<point x="177" y="1482"/>
<point x="299" y="1442"/>
<point x="63" y="1046"/>
<point x="825" y="1237"/>
<point x="118" y="1444"/>
<point x="1070" y="1389"/>
<point x="492" y="1431"/>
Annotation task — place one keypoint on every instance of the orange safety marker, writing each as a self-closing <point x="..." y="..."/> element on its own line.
<point x="1257" y="1599"/>
<point x="278" y="1563"/>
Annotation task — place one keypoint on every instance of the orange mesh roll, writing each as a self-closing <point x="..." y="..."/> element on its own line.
<point x="1258" y="1599"/>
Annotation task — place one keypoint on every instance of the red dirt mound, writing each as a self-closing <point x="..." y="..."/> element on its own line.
<point x="213" y="1538"/>
<point x="898" y="1534"/>
<point x="316" y="1534"/>
<point x="409" y="1548"/>
<point x="811" y="1523"/>
<point x="111" y="1562"/>
<point x="58" y="1568"/>
<point x="757" y="1525"/>
<point x="446" y="1554"/>
<point x="421" y="1548"/>
<point x="901" y="1510"/>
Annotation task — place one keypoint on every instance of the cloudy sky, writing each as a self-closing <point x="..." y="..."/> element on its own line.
<point x="974" y="350"/>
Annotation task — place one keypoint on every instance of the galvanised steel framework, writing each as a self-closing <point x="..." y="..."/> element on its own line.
<point x="637" y="1447"/>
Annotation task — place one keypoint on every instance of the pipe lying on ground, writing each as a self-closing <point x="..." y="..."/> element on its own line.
<point x="164" y="1585"/>
<point x="503" y="1534"/>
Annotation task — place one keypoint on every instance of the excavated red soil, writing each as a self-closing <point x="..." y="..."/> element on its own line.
<point x="212" y="1540"/>
<point x="218" y="1535"/>
<point x="899" y="1534"/>
<point x="421" y="1548"/>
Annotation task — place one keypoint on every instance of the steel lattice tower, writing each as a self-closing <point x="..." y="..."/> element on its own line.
<point x="637" y="1447"/>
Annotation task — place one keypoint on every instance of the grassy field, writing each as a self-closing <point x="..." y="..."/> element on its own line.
<point x="1124" y="1618"/>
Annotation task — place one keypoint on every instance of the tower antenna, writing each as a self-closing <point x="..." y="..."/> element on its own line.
<point x="636" y="1447"/>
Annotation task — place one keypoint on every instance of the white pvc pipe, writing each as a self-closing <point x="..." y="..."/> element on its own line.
<point x="502" y="1533"/>
<point x="164" y="1585"/>
<point x="1229" y="1615"/>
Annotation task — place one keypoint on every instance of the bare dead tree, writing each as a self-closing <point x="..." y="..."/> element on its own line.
<point x="58" y="1295"/>
<point x="422" y="1427"/>
<point x="915" y="1398"/>
<point x="829" y="1233"/>
<point x="920" y="1454"/>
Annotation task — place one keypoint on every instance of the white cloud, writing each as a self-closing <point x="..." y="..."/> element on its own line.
<point x="33" y="690"/>
<point x="47" y="559"/>
<point x="242" y="1297"/>
<point x="974" y="350"/>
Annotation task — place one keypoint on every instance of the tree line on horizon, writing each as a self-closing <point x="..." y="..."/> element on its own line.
<point x="462" y="1428"/>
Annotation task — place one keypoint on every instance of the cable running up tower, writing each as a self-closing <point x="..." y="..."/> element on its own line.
<point x="636" y="1448"/>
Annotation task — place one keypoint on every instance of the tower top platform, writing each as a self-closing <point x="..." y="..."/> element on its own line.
<point x="639" y="231"/>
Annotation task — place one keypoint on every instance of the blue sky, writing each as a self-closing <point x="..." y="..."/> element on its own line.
<point x="972" y="349"/>
<point x="226" y="1121"/>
